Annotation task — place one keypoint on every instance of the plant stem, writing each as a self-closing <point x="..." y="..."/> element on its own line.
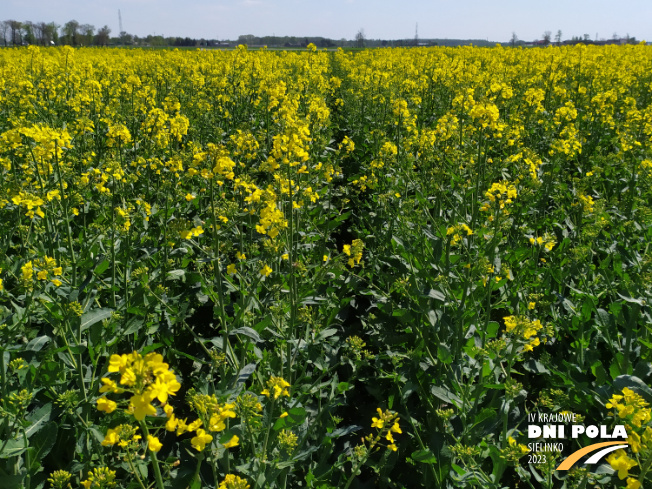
<point x="135" y="472"/>
<point x="66" y="217"/>
<point x="154" y="459"/>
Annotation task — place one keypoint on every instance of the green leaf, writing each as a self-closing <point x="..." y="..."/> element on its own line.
<point x="99" y="436"/>
<point x="604" y="318"/>
<point x="246" y="372"/>
<point x="102" y="267"/>
<point x="326" y="333"/>
<point x="458" y="469"/>
<point x="91" y="317"/>
<point x="536" y="474"/>
<point x="297" y="414"/>
<point x="183" y="476"/>
<point x="176" y="274"/>
<point x="343" y="431"/>
<point x="149" y="348"/>
<point x="444" y="353"/>
<point x="535" y="366"/>
<point x="280" y="424"/>
<point x="45" y="440"/>
<point x="433" y="317"/>
<point x="37" y="418"/>
<point x="640" y="302"/>
<point x="492" y="329"/>
<point x="251" y="333"/>
<point x="343" y="387"/>
<point x="6" y="356"/>
<point x="37" y="343"/>
<point x="13" y="448"/>
<point x="600" y="373"/>
<point x="424" y="456"/>
<point x="614" y="370"/>
<point x="141" y="467"/>
<point x="12" y="481"/>
<point x="445" y="395"/>
<point x="483" y="415"/>
<point x="435" y="294"/>
<point x="299" y="456"/>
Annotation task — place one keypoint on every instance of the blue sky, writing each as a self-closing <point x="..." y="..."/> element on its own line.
<point x="381" y="19"/>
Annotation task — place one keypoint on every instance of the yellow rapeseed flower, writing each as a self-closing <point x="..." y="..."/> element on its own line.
<point x="276" y="387"/>
<point x="621" y="463"/>
<point x="233" y="442"/>
<point x="106" y="405"/>
<point x="199" y="441"/>
<point x="153" y="443"/>
<point x="233" y="482"/>
<point x="265" y="271"/>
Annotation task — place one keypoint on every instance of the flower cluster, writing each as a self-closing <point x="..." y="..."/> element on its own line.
<point x="212" y="414"/>
<point x="124" y="435"/>
<point x="587" y="202"/>
<point x="45" y="269"/>
<point x="287" y="441"/>
<point x="524" y="328"/>
<point x="387" y="423"/>
<point x="118" y="134"/>
<point x="147" y="378"/>
<point x="233" y="482"/>
<point x="59" y="479"/>
<point x="621" y="463"/>
<point x="500" y="194"/>
<point x="100" y="478"/>
<point x="276" y="387"/>
<point x="514" y="450"/>
<point x="547" y="241"/>
<point x="30" y="202"/>
<point x="631" y="407"/>
<point x="354" y="252"/>
<point x="457" y="231"/>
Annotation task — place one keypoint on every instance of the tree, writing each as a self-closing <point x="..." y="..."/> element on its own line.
<point x="514" y="39"/>
<point x="155" y="40"/>
<point x="4" y="27"/>
<point x="103" y="36"/>
<point x="86" y="34"/>
<point x="247" y="39"/>
<point x="53" y="32"/>
<point x="360" y="38"/>
<point x="28" y="33"/>
<point x="126" y="38"/>
<point x="15" y="27"/>
<point x="70" y="33"/>
<point x="558" y="37"/>
<point x="37" y="29"/>
<point x="546" y="37"/>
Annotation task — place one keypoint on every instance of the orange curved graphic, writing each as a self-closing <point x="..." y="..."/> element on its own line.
<point x="575" y="456"/>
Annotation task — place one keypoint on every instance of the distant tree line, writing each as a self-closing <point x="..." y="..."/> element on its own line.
<point x="16" y="33"/>
<point x="73" y="33"/>
<point x="547" y="40"/>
